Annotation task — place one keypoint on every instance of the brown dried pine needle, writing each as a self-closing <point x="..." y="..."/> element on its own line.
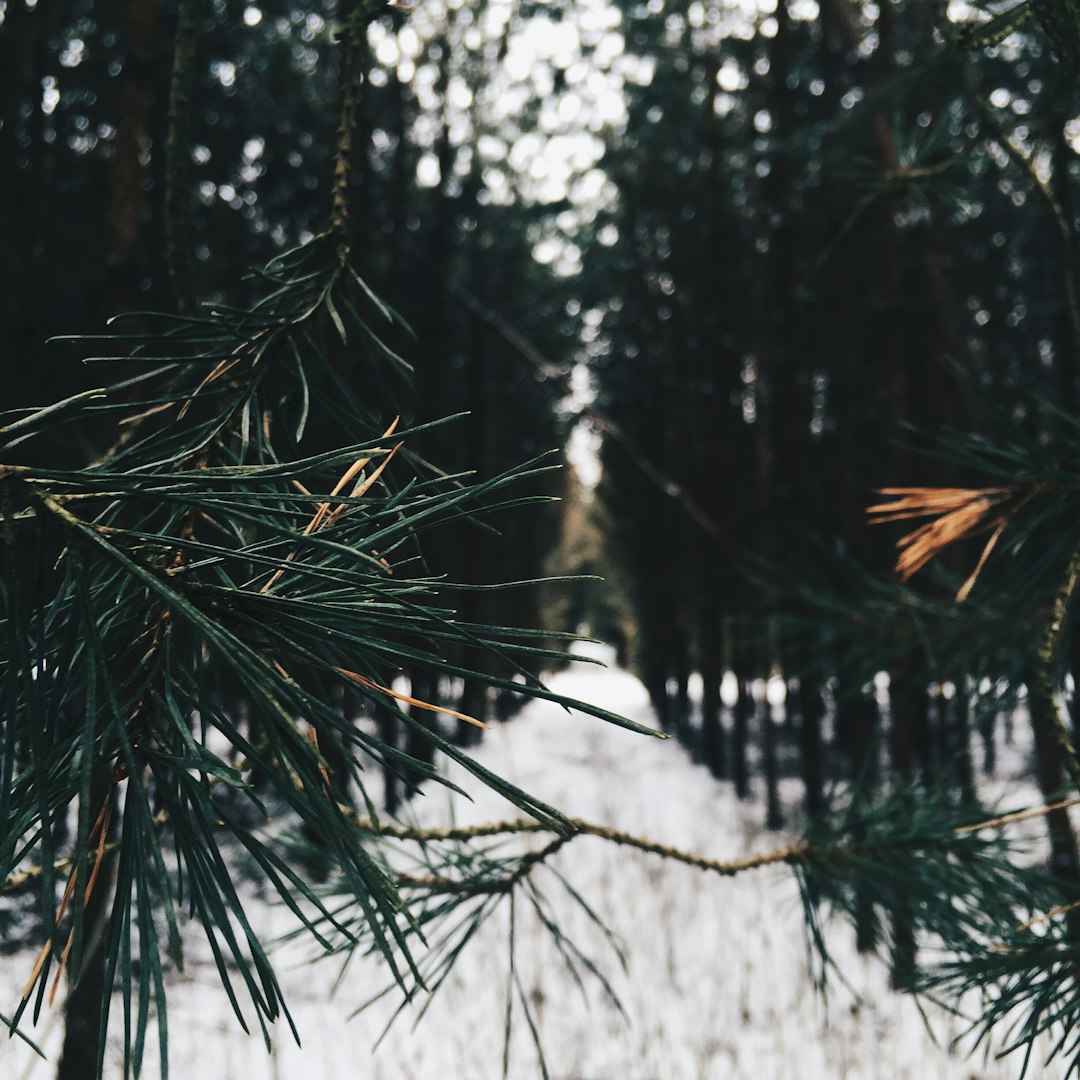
<point x="958" y="514"/>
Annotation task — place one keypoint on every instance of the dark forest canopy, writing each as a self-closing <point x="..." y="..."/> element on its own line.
<point x="774" y="263"/>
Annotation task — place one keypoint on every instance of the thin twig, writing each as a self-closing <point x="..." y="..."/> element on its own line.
<point x="791" y="854"/>
<point x="1053" y="913"/>
<point x="498" y="886"/>
<point x="1020" y="815"/>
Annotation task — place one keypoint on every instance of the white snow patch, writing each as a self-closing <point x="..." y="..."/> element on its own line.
<point x="716" y="985"/>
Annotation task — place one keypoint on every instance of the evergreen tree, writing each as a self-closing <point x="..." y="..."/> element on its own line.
<point x="185" y="618"/>
<point x="216" y="574"/>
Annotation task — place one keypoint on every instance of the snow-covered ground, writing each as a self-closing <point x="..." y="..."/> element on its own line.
<point x="716" y="982"/>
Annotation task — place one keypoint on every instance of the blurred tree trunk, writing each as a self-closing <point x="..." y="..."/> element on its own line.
<point x="82" y="1012"/>
<point x="905" y="700"/>
<point x="741" y="713"/>
<point x="811" y="707"/>
<point x="988" y="722"/>
<point x="479" y="441"/>
<point x="774" y="815"/>
<point x="712" y="674"/>
<point x="863" y="731"/>
<point x="783" y="420"/>
<point x="722" y="432"/>
<point x="682" y="718"/>
<point x="424" y="686"/>
<point x="387" y="726"/>
<point x="1064" y="855"/>
<point x="139" y="83"/>
<point x="959" y="742"/>
<point x="401" y="172"/>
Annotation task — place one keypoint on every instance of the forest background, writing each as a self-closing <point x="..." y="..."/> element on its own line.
<point x="754" y="257"/>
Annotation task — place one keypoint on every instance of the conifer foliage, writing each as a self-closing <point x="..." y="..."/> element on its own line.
<point x="183" y="618"/>
<point x="192" y="620"/>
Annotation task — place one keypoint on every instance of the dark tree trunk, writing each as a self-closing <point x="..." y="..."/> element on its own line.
<point x="905" y="702"/>
<point x="988" y="734"/>
<point x="740" y="736"/>
<point x="712" y="731"/>
<point x="959" y="737"/>
<point x="82" y="1013"/>
<point x="388" y="733"/>
<point x="424" y="687"/>
<point x="861" y="729"/>
<point x="680" y="700"/>
<point x="774" y="815"/>
<point x="1050" y="772"/>
<point x="475" y="702"/>
<point x="811" y="747"/>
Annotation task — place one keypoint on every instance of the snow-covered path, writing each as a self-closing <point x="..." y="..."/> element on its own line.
<point x="716" y="984"/>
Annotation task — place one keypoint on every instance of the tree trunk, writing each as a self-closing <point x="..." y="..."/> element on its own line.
<point x="861" y="729"/>
<point x="811" y="747"/>
<point x="1064" y="857"/>
<point x="680" y="701"/>
<point x="905" y="692"/>
<point x="424" y="687"/>
<point x="82" y="1013"/>
<point x="740" y="732"/>
<point x="774" y="815"/>
<point x="712" y="731"/>
<point x="959" y="736"/>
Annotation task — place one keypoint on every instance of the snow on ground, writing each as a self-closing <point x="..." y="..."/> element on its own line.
<point x="716" y="984"/>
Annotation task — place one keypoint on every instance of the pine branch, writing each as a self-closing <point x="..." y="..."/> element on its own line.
<point x="1046" y="712"/>
<point x="178" y="153"/>
<point x="790" y="854"/>
<point x="358" y="14"/>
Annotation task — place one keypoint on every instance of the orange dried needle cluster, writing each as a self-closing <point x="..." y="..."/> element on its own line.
<point x="100" y="833"/>
<point x="957" y="513"/>
<point x="324" y="516"/>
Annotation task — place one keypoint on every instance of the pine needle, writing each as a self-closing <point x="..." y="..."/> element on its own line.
<point x="411" y="700"/>
<point x="958" y="514"/>
<point x="101" y="828"/>
<point x="323" y="515"/>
